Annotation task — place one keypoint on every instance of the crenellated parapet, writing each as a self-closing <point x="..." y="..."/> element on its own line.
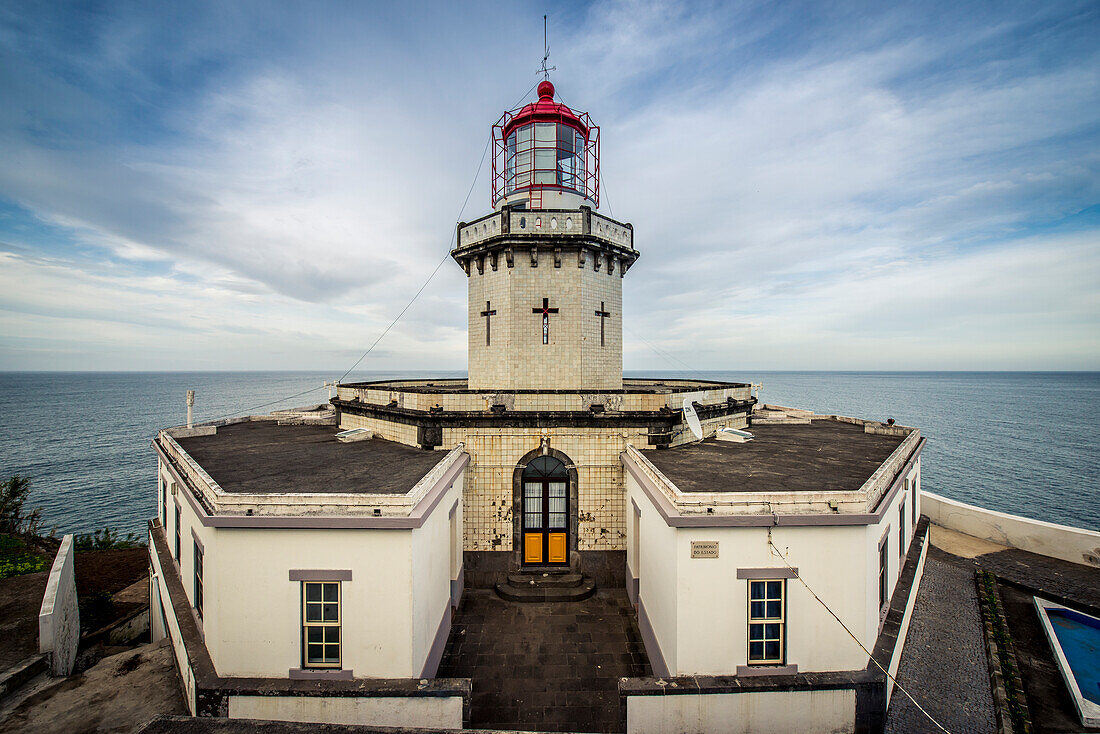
<point x="545" y="238"/>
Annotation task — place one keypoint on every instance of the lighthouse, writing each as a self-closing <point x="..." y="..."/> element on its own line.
<point x="545" y="268"/>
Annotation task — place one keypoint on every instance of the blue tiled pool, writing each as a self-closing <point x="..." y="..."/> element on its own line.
<point x="1075" y="640"/>
<point x="1079" y="636"/>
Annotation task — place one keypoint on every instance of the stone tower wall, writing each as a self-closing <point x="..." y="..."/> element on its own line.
<point x="516" y="358"/>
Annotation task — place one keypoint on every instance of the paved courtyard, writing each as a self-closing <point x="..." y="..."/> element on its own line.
<point x="545" y="667"/>
<point x="944" y="663"/>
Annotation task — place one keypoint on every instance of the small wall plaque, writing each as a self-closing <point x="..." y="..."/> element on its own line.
<point x="704" y="549"/>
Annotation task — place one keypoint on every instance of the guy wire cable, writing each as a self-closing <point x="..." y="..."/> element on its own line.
<point x="872" y="657"/>
<point x="465" y="201"/>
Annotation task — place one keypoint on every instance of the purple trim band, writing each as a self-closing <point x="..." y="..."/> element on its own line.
<point x="750" y="671"/>
<point x="649" y="640"/>
<point x="298" y="574"/>
<point x="415" y="519"/>
<point x="767" y="573"/>
<point x="674" y="519"/>
<point x="439" y="644"/>
<point x="309" y="674"/>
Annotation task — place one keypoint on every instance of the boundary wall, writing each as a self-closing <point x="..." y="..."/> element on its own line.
<point x="59" y="617"/>
<point x="1064" y="542"/>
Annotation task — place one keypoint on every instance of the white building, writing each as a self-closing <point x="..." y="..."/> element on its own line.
<point x="306" y="566"/>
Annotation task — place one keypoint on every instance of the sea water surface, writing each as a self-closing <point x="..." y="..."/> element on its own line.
<point x="1024" y="443"/>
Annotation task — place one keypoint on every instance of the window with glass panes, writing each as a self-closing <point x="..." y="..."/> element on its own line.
<point x="177" y="534"/>
<point x="544" y="153"/>
<point x="901" y="527"/>
<point x="767" y="621"/>
<point x="198" y="579"/>
<point x="321" y="624"/>
<point x="164" y="504"/>
<point x="883" y="565"/>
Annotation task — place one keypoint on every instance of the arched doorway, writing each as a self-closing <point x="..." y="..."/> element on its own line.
<point x="545" y="510"/>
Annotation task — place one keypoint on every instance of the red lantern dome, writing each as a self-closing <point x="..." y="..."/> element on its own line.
<point x="545" y="155"/>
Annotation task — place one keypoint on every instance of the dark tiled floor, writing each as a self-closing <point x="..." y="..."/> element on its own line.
<point x="545" y="667"/>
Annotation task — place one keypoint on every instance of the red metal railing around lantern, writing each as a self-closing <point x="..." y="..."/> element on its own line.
<point x="525" y="175"/>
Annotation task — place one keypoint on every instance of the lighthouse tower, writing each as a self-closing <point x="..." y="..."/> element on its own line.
<point x="545" y="269"/>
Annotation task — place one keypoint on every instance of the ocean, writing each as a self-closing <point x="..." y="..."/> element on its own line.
<point x="1026" y="443"/>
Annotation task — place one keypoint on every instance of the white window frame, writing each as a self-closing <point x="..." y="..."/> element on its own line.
<point x="765" y="620"/>
<point x="322" y="624"/>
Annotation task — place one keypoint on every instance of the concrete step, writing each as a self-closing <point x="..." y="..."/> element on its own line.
<point x="545" y="578"/>
<point x="18" y="675"/>
<point x="544" y="593"/>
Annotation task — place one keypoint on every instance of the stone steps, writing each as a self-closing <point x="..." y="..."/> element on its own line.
<point x="551" y="578"/>
<point x="546" y="586"/>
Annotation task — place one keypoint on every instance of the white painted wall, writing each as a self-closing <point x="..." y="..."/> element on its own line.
<point x="876" y="615"/>
<point x="187" y="676"/>
<point x="391" y="609"/>
<point x="713" y="623"/>
<point x="258" y="607"/>
<point x="657" y="571"/>
<point x="1045" y="538"/>
<point x="59" y="615"/>
<point x="698" y="608"/>
<point x="431" y="576"/>
<point x="433" y="713"/>
<point x="903" y="632"/>
<point x="759" y="713"/>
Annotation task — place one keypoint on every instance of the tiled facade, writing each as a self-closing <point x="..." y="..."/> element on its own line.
<point x="573" y="358"/>
<point x="495" y="452"/>
<point x="567" y="394"/>
<point x="568" y="263"/>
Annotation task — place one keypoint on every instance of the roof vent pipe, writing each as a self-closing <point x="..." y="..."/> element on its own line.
<point x="190" y="405"/>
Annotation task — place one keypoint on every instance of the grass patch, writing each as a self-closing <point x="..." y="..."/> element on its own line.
<point x="16" y="558"/>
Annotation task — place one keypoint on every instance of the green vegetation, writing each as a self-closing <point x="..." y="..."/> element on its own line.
<point x="13" y="518"/>
<point x="16" y="559"/>
<point x="995" y="623"/>
<point x="108" y="539"/>
<point x="16" y="526"/>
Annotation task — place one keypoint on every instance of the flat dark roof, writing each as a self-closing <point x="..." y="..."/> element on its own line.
<point x="824" y="455"/>
<point x="260" y="457"/>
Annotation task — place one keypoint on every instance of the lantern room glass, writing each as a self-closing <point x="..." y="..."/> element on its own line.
<point x="544" y="154"/>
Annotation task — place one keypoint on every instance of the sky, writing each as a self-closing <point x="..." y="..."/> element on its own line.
<point x="245" y="186"/>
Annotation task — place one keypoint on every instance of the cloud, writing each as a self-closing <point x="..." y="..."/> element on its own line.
<point x="271" y="187"/>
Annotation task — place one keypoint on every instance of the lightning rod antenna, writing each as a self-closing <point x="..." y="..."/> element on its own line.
<point x="545" y="70"/>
